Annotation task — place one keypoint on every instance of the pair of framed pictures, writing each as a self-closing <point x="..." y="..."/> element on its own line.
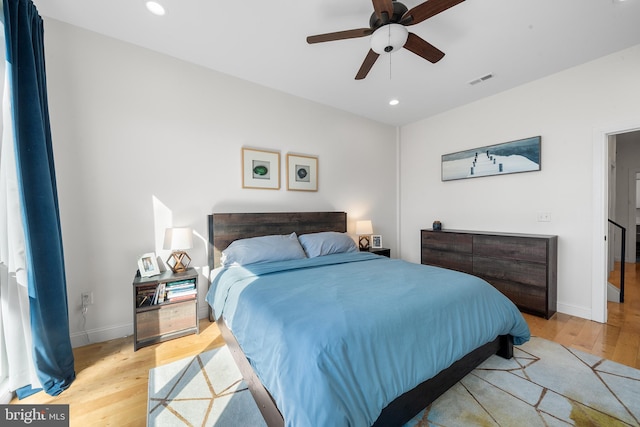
<point x="261" y="169"/>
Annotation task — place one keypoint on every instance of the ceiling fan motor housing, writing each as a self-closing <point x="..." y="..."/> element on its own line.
<point x="399" y="10"/>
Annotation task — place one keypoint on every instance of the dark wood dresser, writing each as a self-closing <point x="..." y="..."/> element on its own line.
<point x="521" y="266"/>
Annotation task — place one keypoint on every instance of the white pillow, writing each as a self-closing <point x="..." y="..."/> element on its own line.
<point x="327" y="243"/>
<point x="262" y="249"/>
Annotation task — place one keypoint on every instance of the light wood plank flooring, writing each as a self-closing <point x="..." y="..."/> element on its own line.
<point x="111" y="384"/>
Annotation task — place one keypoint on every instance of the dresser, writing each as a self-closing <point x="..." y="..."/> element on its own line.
<point x="521" y="266"/>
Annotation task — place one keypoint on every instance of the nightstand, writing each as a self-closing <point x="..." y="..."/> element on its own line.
<point x="380" y="251"/>
<point x="165" y="306"/>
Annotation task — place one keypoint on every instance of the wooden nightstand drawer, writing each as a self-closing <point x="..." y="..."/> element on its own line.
<point x="166" y="319"/>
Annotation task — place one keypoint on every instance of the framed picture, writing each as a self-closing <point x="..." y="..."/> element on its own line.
<point x="260" y="169"/>
<point x="302" y="173"/>
<point x="376" y="241"/>
<point x="522" y="155"/>
<point x="148" y="265"/>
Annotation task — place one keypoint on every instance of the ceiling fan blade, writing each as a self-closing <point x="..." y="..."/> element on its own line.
<point x="340" y="35"/>
<point x="367" y="64"/>
<point x="426" y="10"/>
<point x="423" y="48"/>
<point x="381" y="7"/>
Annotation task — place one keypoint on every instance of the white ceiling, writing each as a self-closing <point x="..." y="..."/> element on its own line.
<point x="265" y="42"/>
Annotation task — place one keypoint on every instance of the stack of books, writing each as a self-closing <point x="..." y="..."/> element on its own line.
<point x="176" y="291"/>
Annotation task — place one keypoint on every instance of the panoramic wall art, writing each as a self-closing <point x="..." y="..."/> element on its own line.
<point x="518" y="156"/>
<point x="260" y="169"/>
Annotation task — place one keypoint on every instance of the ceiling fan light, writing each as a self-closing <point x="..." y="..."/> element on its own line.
<point x="389" y="38"/>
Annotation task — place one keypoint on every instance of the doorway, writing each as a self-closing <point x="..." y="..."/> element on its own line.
<point x="603" y="161"/>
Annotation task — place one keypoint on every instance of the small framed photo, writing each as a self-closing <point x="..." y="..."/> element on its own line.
<point x="376" y="241"/>
<point x="260" y="169"/>
<point x="148" y="265"/>
<point x="302" y="173"/>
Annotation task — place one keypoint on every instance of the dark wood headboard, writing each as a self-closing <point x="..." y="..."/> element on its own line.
<point x="224" y="228"/>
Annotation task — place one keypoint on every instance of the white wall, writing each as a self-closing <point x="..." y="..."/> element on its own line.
<point x="143" y="141"/>
<point x="565" y="109"/>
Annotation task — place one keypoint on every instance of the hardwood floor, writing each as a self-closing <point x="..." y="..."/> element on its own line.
<point x="111" y="384"/>
<point x="617" y="340"/>
<point x="111" y="379"/>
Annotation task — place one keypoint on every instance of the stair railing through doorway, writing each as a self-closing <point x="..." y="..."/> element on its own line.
<point x="622" y="256"/>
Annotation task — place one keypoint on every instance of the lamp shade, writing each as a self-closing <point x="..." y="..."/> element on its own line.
<point x="179" y="238"/>
<point x="364" y="227"/>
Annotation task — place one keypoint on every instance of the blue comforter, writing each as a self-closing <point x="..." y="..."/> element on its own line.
<point x="336" y="338"/>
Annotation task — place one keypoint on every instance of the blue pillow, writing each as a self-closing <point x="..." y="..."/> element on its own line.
<point x="262" y="249"/>
<point x="327" y="243"/>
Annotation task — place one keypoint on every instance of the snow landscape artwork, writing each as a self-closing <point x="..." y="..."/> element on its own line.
<point x="522" y="155"/>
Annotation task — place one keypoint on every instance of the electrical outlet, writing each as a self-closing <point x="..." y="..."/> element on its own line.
<point x="87" y="298"/>
<point x="544" y="217"/>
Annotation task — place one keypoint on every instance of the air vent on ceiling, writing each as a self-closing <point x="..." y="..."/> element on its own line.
<point x="481" y="79"/>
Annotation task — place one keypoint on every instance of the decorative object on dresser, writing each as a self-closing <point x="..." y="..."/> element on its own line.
<point x="509" y="157"/>
<point x="178" y="239"/>
<point x="164" y="307"/>
<point x="260" y="169"/>
<point x="302" y="173"/>
<point x="521" y="266"/>
<point x="364" y="229"/>
<point x="437" y="226"/>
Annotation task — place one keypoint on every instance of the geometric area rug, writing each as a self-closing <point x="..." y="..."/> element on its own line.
<point x="203" y="390"/>
<point x="545" y="384"/>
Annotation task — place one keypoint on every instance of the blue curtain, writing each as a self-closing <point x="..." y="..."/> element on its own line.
<point x="52" y="351"/>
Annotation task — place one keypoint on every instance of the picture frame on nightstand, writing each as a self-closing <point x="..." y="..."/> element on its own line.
<point x="148" y="265"/>
<point x="376" y="241"/>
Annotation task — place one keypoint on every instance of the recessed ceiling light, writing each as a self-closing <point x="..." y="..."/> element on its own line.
<point x="155" y="8"/>
<point x="394" y="102"/>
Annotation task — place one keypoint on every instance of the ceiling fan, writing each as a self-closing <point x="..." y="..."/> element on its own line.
<point x="388" y="33"/>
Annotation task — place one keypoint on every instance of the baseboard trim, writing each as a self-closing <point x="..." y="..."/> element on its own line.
<point x="92" y="336"/>
<point x="572" y="310"/>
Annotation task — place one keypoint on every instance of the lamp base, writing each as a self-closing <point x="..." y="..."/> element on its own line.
<point x="178" y="261"/>
<point x="364" y="243"/>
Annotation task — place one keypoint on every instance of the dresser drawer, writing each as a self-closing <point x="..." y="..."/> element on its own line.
<point x="518" y="248"/>
<point x="166" y="320"/>
<point x="530" y="299"/>
<point x="452" y="260"/>
<point x="522" y="272"/>
<point x="444" y="241"/>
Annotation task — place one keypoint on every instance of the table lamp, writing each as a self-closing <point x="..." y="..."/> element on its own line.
<point x="364" y="229"/>
<point x="178" y="239"/>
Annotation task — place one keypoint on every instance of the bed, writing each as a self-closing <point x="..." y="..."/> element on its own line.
<point x="348" y="338"/>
